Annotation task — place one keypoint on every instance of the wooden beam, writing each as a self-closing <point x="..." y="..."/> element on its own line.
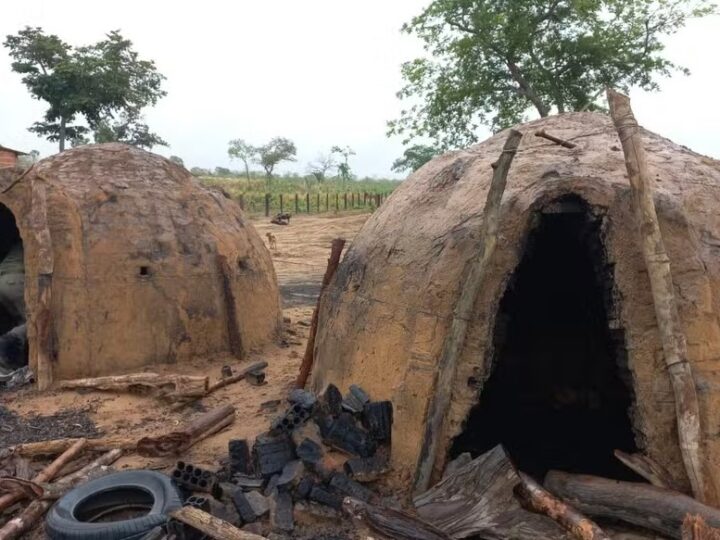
<point x="687" y="410"/>
<point x="455" y="338"/>
<point x="648" y="469"/>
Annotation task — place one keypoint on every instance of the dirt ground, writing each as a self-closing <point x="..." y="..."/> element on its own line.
<point x="300" y="261"/>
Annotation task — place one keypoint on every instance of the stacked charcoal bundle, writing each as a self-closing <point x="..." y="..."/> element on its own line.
<point x="316" y="453"/>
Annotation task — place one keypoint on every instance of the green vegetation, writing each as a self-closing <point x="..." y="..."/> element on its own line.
<point x="491" y="62"/>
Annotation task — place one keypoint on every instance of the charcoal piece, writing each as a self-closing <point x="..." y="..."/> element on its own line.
<point x="291" y="419"/>
<point x="346" y="435"/>
<point x="255" y="378"/>
<point x="226" y="512"/>
<point x="321" y="495"/>
<point x="271" y="485"/>
<point x="332" y="399"/>
<point x="355" y="399"/>
<point x="377" y="418"/>
<point x="291" y="474"/>
<point x="342" y="483"/>
<point x="309" y="451"/>
<point x="304" y="398"/>
<point x="258" y="502"/>
<point x="203" y="503"/>
<point x="281" y="512"/>
<point x="225" y="372"/>
<point x="194" y="478"/>
<point x="367" y="469"/>
<point x="271" y="453"/>
<point x="243" y="507"/>
<point x="324" y="423"/>
<point x="248" y="482"/>
<point x="302" y="491"/>
<point x="239" y="453"/>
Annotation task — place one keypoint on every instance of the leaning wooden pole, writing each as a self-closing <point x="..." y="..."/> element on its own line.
<point x="306" y="367"/>
<point x="661" y="284"/>
<point x="455" y="339"/>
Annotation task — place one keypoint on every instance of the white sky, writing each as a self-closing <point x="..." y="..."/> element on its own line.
<point x="321" y="72"/>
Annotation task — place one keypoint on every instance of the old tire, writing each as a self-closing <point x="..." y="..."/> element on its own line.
<point x="73" y="516"/>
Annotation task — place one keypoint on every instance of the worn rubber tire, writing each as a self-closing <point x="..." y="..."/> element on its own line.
<point x="62" y="522"/>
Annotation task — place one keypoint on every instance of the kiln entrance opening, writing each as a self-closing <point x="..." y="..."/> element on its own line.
<point x="13" y="341"/>
<point x="560" y="390"/>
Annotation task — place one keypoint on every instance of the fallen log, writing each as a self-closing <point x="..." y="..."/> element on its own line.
<point x="47" y="474"/>
<point x="391" y="523"/>
<point x="648" y="469"/>
<point x="58" y="446"/>
<point x="212" y="526"/>
<point x="687" y="409"/>
<point x="168" y="387"/>
<point x="695" y="528"/>
<point x="535" y="498"/>
<point x="176" y="442"/>
<point x="307" y="362"/>
<point x="462" y="313"/>
<point x="478" y="500"/>
<point x="651" y="507"/>
<point x="31" y="516"/>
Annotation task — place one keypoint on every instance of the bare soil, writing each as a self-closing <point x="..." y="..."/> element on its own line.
<point x="300" y="260"/>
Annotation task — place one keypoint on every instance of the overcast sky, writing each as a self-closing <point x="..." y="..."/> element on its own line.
<point x="321" y="72"/>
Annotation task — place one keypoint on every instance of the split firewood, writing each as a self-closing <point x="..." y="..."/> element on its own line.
<point x="176" y="442"/>
<point x="687" y="409"/>
<point x="391" y="523"/>
<point x="478" y="500"/>
<point x="47" y="474"/>
<point x="537" y="499"/>
<point x="651" y="471"/>
<point x="651" y="507"/>
<point x="32" y="515"/>
<point x="255" y="366"/>
<point x="168" y="387"/>
<point x="306" y="366"/>
<point x="212" y="526"/>
<point x="695" y="528"/>
<point x="561" y="142"/>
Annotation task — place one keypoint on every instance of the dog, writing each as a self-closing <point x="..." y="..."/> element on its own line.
<point x="272" y="240"/>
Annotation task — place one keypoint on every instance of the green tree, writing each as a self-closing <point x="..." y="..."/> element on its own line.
<point x="239" y="149"/>
<point x="276" y="151"/>
<point x="414" y="157"/>
<point x="128" y="129"/>
<point x="97" y="83"/>
<point x="344" y="170"/>
<point x="177" y="160"/>
<point x="321" y="167"/>
<point x="493" y="60"/>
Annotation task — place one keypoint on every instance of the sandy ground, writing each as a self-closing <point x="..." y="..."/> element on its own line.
<point x="300" y="260"/>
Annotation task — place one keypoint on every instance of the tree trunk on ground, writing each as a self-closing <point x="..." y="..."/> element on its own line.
<point x="306" y="367"/>
<point x="455" y="338"/>
<point x="478" y="500"/>
<point x="647" y="506"/>
<point x="172" y="387"/>
<point x="58" y="446"/>
<point x="212" y="526"/>
<point x="648" y="469"/>
<point x="695" y="528"/>
<point x="392" y="523"/>
<point x="657" y="261"/>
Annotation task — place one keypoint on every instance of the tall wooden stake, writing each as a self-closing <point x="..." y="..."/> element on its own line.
<point x="455" y="339"/>
<point x="661" y="284"/>
<point x="307" y="362"/>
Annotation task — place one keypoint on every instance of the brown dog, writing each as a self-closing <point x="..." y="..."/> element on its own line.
<point x="272" y="240"/>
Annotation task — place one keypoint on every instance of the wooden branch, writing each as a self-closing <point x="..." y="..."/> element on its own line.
<point x="66" y="483"/>
<point x="228" y="298"/>
<point x="687" y="410"/>
<point x="170" y="387"/>
<point x="391" y="523"/>
<point x="306" y="366"/>
<point x="562" y="142"/>
<point x="58" y="446"/>
<point x="535" y="498"/>
<point x="648" y="469"/>
<point x="651" y="507"/>
<point x="212" y="526"/>
<point x="47" y="474"/>
<point x="455" y="338"/>
<point x="478" y="500"/>
<point x="695" y="528"/>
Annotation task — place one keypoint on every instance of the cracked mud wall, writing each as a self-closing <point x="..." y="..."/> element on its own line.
<point x="384" y="319"/>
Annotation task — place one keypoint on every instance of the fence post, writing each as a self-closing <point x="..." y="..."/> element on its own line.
<point x="352" y="201"/>
<point x="337" y="202"/>
<point x="297" y="206"/>
<point x="281" y="203"/>
<point x="267" y="205"/>
<point x="327" y="202"/>
<point x="345" y="200"/>
<point x="318" y="202"/>
<point x="242" y="202"/>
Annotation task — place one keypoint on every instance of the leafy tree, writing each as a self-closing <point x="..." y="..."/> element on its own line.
<point x="493" y="60"/>
<point x="344" y="170"/>
<point x="128" y="129"/>
<point x="97" y="82"/>
<point x="322" y="165"/>
<point x="177" y="160"/>
<point x="199" y="171"/>
<point x="222" y="171"/>
<point x="276" y="151"/>
<point x="239" y="149"/>
<point x="414" y="157"/>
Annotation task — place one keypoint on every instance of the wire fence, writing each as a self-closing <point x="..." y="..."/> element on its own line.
<point x="309" y="203"/>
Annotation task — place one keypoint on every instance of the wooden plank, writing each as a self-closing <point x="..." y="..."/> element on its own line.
<point x="455" y="339"/>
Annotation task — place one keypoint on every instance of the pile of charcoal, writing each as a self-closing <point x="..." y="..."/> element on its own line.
<point x="317" y="452"/>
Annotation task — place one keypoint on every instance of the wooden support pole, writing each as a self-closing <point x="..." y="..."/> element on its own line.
<point x="235" y="344"/>
<point x="687" y="410"/>
<point x="318" y="203"/>
<point x="297" y="204"/>
<point x="307" y="202"/>
<point x="561" y="142"/>
<point x="281" y="203"/>
<point x="455" y="338"/>
<point x="648" y="469"/>
<point x="306" y="366"/>
<point x="267" y="205"/>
